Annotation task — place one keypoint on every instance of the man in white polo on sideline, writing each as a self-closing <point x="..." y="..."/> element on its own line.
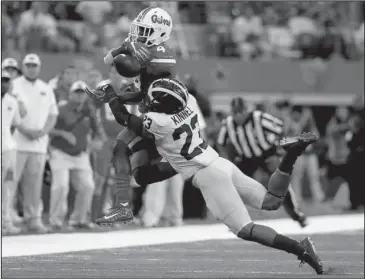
<point x="11" y="66"/>
<point x="11" y="114"/>
<point x="32" y="139"/>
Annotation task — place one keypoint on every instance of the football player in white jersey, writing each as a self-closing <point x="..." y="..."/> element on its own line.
<point x="171" y="119"/>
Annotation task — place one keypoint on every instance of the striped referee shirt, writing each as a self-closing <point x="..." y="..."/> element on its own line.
<point x="255" y="138"/>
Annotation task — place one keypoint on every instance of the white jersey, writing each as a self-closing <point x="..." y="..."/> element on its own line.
<point x="177" y="138"/>
<point x="10" y="115"/>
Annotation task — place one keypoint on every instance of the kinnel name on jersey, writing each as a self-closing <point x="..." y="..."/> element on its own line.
<point x="182" y="115"/>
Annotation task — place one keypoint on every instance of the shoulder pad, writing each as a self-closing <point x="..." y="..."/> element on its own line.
<point x="156" y="124"/>
<point x="159" y="118"/>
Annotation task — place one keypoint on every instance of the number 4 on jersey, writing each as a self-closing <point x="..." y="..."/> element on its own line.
<point x="189" y="130"/>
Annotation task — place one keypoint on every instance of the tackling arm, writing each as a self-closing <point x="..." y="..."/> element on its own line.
<point x="149" y="174"/>
<point x="123" y="117"/>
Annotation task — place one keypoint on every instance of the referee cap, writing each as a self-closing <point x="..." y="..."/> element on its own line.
<point x="9" y="62"/>
<point x="32" y="58"/>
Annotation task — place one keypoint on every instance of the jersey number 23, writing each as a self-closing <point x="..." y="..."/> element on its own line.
<point x="190" y="130"/>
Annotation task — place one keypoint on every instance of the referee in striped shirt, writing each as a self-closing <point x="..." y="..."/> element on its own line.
<point x="249" y="139"/>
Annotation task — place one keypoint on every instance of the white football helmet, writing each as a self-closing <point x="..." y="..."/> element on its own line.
<point x="152" y="27"/>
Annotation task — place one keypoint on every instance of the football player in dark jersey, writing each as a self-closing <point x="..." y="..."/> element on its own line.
<point x="131" y="154"/>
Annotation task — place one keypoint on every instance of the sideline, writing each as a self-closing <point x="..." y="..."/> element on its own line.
<point x="28" y="245"/>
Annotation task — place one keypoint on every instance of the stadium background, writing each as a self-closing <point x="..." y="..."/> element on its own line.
<point x="198" y="37"/>
<point x="264" y="75"/>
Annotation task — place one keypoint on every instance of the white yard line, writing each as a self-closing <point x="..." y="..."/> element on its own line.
<point x="14" y="246"/>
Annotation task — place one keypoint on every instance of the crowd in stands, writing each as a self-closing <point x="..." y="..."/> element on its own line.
<point x="79" y="153"/>
<point x="250" y="30"/>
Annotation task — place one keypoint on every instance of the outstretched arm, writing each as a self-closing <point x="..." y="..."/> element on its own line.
<point x="123" y="117"/>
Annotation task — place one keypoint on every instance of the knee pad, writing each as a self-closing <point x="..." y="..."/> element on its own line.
<point x="246" y="232"/>
<point x="271" y="202"/>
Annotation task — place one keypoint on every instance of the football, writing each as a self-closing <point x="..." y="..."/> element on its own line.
<point x="127" y="65"/>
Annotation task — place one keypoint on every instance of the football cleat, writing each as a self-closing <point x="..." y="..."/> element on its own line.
<point x="298" y="144"/>
<point x="310" y="256"/>
<point x="119" y="214"/>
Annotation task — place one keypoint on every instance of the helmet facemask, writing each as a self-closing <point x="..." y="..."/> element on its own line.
<point x="146" y="34"/>
<point x="140" y="32"/>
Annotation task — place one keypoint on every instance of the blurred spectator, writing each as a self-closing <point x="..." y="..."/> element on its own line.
<point x="203" y="102"/>
<point x="302" y="120"/>
<point x="93" y="77"/>
<point x="280" y="41"/>
<point x="247" y="30"/>
<point x="94" y="14"/>
<point x="32" y="139"/>
<point x="37" y="30"/>
<point x="11" y="114"/>
<point x="338" y="151"/>
<point x="7" y="32"/>
<point x="301" y="25"/>
<point x="162" y="203"/>
<point x="359" y="39"/>
<point x="70" y="161"/>
<point x="213" y="127"/>
<point x="61" y="83"/>
<point x="123" y="24"/>
<point x="356" y="142"/>
<point x="284" y="110"/>
<point x="317" y="51"/>
<point x="11" y="66"/>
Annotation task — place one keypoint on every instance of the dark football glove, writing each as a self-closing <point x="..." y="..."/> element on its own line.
<point x="138" y="50"/>
<point x="141" y="53"/>
<point x="103" y="93"/>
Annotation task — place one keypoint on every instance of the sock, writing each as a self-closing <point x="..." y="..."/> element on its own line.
<point x="287" y="162"/>
<point x="290" y="208"/>
<point x="284" y="243"/>
<point x="122" y="183"/>
<point x="279" y="183"/>
<point x="270" y="238"/>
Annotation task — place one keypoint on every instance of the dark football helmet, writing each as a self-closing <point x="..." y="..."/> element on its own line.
<point x="166" y="95"/>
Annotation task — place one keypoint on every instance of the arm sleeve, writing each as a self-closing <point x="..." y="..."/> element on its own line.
<point x="149" y="174"/>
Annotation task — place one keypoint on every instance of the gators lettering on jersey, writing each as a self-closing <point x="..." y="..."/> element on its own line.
<point x="141" y="151"/>
<point x="178" y="140"/>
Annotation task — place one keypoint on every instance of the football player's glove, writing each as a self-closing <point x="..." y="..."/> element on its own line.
<point x="138" y="50"/>
<point x="103" y="93"/>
